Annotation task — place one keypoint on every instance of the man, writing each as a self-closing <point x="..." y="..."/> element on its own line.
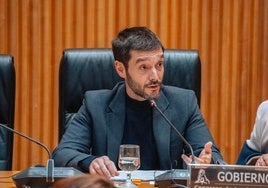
<point x="123" y="115"/>
<point x="255" y="149"/>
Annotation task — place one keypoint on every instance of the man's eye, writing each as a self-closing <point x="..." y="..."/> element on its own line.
<point x="143" y="67"/>
<point x="160" y="65"/>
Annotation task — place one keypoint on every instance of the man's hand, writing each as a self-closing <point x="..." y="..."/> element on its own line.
<point x="103" y="166"/>
<point x="262" y="161"/>
<point x="204" y="157"/>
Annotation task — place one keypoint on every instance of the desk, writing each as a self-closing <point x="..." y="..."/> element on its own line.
<point x="6" y="180"/>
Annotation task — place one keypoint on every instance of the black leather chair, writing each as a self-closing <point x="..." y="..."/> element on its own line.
<point x="91" y="69"/>
<point x="7" y="107"/>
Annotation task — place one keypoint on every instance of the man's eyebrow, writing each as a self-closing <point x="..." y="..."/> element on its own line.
<point x="141" y="59"/>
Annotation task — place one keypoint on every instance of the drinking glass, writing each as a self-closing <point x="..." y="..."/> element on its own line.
<point x="129" y="160"/>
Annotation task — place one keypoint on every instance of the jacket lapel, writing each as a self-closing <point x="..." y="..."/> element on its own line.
<point x="162" y="132"/>
<point x="115" y="118"/>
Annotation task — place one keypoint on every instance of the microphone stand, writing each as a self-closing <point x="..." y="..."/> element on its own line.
<point x="153" y="104"/>
<point x="182" y="175"/>
<point x="41" y="176"/>
<point x="50" y="161"/>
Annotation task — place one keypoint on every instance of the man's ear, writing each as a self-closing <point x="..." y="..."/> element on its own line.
<point x="120" y="69"/>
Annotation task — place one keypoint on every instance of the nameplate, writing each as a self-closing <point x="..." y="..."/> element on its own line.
<point x="227" y="176"/>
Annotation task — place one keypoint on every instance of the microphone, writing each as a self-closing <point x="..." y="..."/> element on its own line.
<point x="50" y="162"/>
<point x="153" y="104"/>
<point x="40" y="176"/>
<point x="178" y="177"/>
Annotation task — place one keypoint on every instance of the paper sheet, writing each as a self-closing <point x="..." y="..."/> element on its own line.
<point x="144" y="175"/>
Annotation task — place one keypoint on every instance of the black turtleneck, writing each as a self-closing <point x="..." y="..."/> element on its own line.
<point x="139" y="130"/>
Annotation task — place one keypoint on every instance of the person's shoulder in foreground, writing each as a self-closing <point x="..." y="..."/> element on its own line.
<point x="255" y="149"/>
<point x="83" y="181"/>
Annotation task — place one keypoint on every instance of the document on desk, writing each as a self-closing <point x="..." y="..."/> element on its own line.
<point x="144" y="175"/>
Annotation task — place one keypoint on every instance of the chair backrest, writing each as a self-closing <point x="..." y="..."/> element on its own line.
<point x="91" y="69"/>
<point x="7" y="108"/>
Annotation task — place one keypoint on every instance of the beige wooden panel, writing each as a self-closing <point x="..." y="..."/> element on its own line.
<point x="231" y="37"/>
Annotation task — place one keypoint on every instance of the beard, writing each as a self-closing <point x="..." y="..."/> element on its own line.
<point x="139" y="90"/>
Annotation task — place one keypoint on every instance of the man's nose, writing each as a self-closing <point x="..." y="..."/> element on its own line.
<point x="154" y="74"/>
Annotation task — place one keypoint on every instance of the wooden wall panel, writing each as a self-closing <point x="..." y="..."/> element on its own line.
<point x="231" y="37"/>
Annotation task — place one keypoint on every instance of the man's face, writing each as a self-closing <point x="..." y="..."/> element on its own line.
<point x="144" y="74"/>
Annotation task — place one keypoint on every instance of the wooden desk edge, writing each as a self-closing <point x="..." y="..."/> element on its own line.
<point x="7" y="182"/>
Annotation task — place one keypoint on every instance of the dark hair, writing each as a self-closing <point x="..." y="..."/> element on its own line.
<point x="83" y="181"/>
<point x="134" y="38"/>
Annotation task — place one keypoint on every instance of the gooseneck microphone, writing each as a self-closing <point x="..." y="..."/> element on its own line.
<point x="40" y="176"/>
<point x="153" y="104"/>
<point x="29" y="138"/>
<point x="50" y="161"/>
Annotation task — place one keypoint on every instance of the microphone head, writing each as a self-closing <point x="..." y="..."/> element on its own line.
<point x="152" y="102"/>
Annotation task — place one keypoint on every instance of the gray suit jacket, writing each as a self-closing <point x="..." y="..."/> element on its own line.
<point x="97" y="129"/>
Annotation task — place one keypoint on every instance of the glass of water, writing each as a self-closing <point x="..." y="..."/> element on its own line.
<point x="129" y="160"/>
